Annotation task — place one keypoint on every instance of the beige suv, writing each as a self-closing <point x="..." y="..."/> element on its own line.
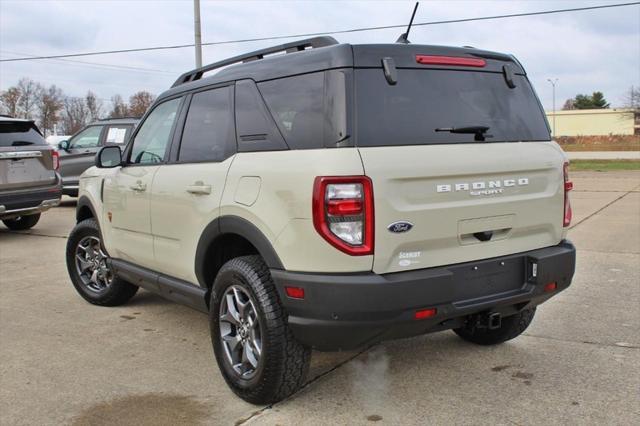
<point x="330" y="196"/>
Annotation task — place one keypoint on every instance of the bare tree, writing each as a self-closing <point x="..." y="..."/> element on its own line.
<point x="632" y="98"/>
<point x="9" y="100"/>
<point x="75" y="115"/>
<point x="49" y="105"/>
<point x="119" y="109"/>
<point x="139" y="103"/>
<point x="29" y="94"/>
<point x="94" y="106"/>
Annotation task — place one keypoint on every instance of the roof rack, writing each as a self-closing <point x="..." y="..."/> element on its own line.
<point x="128" y="117"/>
<point x="295" y="46"/>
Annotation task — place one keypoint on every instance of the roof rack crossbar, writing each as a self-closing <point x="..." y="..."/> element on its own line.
<point x="295" y="46"/>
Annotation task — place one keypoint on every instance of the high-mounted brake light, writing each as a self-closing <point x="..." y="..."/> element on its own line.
<point x="56" y="160"/>
<point x="450" y="60"/>
<point x="343" y="212"/>
<point x="568" y="186"/>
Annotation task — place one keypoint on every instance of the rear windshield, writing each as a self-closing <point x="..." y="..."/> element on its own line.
<point x="422" y="101"/>
<point x="14" y="133"/>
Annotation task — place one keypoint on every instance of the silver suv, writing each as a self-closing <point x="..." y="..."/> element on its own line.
<point x="330" y="196"/>
<point x="29" y="181"/>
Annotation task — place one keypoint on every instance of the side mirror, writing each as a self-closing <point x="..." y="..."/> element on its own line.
<point x="64" y="145"/>
<point x="108" y="157"/>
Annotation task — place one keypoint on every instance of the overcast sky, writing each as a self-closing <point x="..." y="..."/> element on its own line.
<point x="586" y="51"/>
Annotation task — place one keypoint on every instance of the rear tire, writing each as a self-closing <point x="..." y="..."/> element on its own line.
<point x="511" y="327"/>
<point x="89" y="270"/>
<point x="22" y="223"/>
<point x="258" y="355"/>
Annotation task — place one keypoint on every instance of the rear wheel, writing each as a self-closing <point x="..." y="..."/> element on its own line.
<point x="257" y="354"/>
<point x="510" y="327"/>
<point x="22" y="223"/>
<point x="89" y="269"/>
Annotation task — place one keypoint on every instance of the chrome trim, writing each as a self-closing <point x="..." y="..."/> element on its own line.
<point x="20" y="154"/>
<point x="44" y="205"/>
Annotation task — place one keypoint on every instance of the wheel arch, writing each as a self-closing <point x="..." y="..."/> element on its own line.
<point x="227" y="237"/>
<point x="85" y="210"/>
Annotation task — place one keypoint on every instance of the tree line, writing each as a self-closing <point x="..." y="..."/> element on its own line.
<point x="597" y="100"/>
<point x="53" y="110"/>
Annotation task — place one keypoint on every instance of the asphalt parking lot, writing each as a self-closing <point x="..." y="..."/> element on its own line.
<point x="150" y="362"/>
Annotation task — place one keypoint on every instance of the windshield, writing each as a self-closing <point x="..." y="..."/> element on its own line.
<point x="19" y="133"/>
<point x="445" y="106"/>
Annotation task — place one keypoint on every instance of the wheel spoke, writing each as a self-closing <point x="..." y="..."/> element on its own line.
<point x="232" y="309"/>
<point x="249" y="355"/>
<point x="232" y="341"/>
<point x="84" y="264"/>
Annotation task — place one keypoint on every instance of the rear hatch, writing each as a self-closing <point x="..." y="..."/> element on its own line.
<point x="461" y="161"/>
<point x="26" y="161"/>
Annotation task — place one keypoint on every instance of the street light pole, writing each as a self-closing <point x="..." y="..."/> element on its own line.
<point x="197" y="32"/>
<point x="553" y="85"/>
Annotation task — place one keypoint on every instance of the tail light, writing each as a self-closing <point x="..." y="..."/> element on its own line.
<point x="568" y="186"/>
<point x="343" y="212"/>
<point x="56" y="160"/>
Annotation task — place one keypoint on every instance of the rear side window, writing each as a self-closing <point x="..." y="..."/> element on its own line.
<point x="16" y="133"/>
<point x="255" y="126"/>
<point x="118" y="134"/>
<point x="422" y="101"/>
<point x="208" y="130"/>
<point x="310" y="109"/>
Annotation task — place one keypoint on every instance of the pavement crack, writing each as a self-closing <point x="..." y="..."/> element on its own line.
<point x="622" y="345"/>
<point x="31" y="234"/>
<point x="601" y="209"/>
<point x="309" y="383"/>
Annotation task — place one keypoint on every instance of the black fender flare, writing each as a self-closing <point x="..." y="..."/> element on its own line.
<point x="233" y="225"/>
<point x="82" y="203"/>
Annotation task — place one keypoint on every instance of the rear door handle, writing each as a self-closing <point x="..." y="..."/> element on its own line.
<point x="199" y="188"/>
<point x="139" y="187"/>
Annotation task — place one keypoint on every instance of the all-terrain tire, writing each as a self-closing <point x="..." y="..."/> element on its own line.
<point x="22" y="223"/>
<point x="117" y="292"/>
<point x="511" y="327"/>
<point x="284" y="362"/>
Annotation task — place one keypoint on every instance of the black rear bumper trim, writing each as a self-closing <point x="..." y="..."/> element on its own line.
<point x="347" y="311"/>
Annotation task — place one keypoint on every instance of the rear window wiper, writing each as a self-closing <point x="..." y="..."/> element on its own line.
<point x="478" y="131"/>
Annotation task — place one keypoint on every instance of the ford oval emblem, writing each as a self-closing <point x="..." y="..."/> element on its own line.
<point x="399" y="227"/>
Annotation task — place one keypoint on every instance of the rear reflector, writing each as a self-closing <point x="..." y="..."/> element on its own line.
<point x="550" y="287"/>
<point x="425" y="313"/>
<point x="294" y="292"/>
<point x="568" y="186"/>
<point x="450" y="60"/>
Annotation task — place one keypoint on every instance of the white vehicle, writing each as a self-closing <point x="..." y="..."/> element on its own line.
<point x="331" y="196"/>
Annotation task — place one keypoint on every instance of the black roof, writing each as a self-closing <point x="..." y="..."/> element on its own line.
<point x="322" y="53"/>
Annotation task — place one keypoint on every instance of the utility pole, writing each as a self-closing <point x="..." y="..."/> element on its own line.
<point x="553" y="85"/>
<point x="197" y="32"/>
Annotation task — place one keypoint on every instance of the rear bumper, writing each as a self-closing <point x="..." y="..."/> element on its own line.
<point x="348" y="311"/>
<point x="26" y="202"/>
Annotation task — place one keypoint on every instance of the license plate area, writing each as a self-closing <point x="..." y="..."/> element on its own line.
<point x="488" y="278"/>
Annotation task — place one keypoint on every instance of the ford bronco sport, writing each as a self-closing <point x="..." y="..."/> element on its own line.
<point x="29" y="181"/>
<point x="330" y="196"/>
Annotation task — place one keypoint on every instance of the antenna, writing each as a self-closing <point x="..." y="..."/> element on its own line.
<point x="404" y="37"/>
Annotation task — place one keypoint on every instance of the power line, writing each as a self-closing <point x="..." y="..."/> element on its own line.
<point x="96" y="64"/>
<point x="353" y="30"/>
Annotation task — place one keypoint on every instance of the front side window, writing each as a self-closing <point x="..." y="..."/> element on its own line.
<point x="88" y="138"/>
<point x="209" y="129"/>
<point x="152" y="140"/>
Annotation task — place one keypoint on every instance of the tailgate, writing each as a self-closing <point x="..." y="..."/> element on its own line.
<point x="465" y="201"/>
<point x="26" y="167"/>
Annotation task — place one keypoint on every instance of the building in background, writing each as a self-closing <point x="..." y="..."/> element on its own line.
<point x="596" y="122"/>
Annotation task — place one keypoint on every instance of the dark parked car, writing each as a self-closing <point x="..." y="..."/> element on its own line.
<point x="77" y="154"/>
<point x="29" y="182"/>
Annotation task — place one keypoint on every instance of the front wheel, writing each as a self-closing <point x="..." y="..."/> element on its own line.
<point x="258" y="356"/>
<point x="22" y="223"/>
<point x="89" y="268"/>
<point x="510" y="328"/>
